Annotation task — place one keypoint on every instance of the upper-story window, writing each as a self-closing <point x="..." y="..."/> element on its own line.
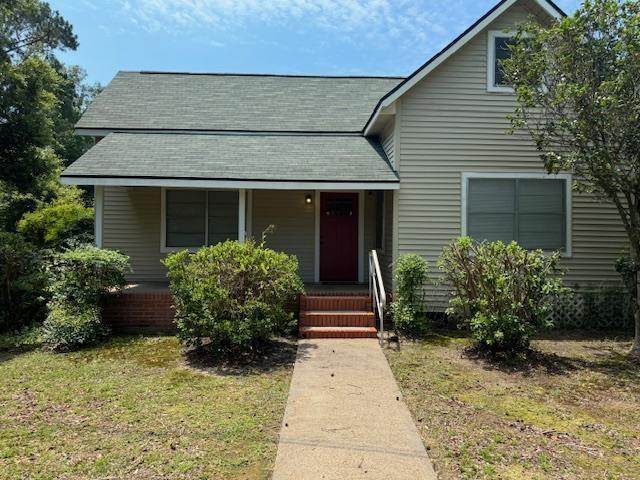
<point x="498" y="51"/>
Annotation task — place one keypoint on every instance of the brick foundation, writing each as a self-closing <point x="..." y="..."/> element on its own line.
<point x="134" y="312"/>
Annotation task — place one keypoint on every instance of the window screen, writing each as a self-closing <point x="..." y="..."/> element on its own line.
<point x="502" y="52"/>
<point x="223" y="217"/>
<point x="185" y="218"/>
<point x="529" y="211"/>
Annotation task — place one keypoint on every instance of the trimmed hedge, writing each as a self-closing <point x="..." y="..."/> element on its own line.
<point x="232" y="295"/>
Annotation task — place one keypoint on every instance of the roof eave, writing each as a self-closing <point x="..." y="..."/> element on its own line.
<point x="253" y="184"/>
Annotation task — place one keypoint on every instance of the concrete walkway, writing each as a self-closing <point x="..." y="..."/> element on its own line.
<point x="345" y="418"/>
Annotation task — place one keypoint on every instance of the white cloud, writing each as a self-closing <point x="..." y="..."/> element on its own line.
<point x="355" y="21"/>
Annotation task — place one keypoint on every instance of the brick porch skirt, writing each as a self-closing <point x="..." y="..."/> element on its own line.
<point x="139" y="311"/>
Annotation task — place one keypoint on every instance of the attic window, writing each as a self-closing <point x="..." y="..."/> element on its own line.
<point x="498" y="51"/>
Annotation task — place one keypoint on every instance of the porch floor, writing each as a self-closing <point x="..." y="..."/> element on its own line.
<point x="336" y="289"/>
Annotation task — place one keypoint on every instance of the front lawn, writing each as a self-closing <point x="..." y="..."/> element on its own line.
<point x="136" y="407"/>
<point x="574" y="413"/>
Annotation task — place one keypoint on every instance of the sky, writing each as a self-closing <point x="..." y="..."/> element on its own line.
<point x="325" y="37"/>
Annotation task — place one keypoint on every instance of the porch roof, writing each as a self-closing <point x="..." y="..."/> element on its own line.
<point x="234" y="161"/>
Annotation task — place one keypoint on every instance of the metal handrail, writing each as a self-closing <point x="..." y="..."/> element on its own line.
<point x="376" y="291"/>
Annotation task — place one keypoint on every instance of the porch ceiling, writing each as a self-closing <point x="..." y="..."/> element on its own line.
<point x="237" y="160"/>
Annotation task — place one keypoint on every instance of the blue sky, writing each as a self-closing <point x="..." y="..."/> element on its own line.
<point x="328" y="37"/>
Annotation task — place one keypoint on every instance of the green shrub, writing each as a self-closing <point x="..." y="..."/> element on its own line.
<point x="23" y="282"/>
<point x="503" y="293"/>
<point x="407" y="309"/>
<point x="83" y="274"/>
<point x="234" y="294"/>
<point x="64" y="221"/>
<point x="68" y="327"/>
<point x="80" y="277"/>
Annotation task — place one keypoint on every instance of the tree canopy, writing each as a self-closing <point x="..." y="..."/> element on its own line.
<point x="40" y="101"/>
<point x="577" y="83"/>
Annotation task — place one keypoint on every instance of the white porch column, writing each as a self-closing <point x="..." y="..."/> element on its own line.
<point x="242" y="214"/>
<point x="98" y="204"/>
<point x="249" y="220"/>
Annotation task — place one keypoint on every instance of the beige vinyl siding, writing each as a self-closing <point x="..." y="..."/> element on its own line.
<point x="294" y="223"/>
<point x="369" y="228"/>
<point x="387" y="141"/>
<point x="385" y="256"/>
<point x="131" y="224"/>
<point x="449" y="124"/>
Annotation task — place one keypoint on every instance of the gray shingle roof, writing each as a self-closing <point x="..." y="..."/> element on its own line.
<point x="147" y="100"/>
<point x="334" y="158"/>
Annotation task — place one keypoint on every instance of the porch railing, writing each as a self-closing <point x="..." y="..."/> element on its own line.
<point x="376" y="292"/>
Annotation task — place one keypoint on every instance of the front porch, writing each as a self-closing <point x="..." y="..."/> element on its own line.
<point x="324" y="310"/>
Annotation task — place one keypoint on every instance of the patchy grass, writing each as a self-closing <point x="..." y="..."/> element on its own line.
<point x="136" y="407"/>
<point x="571" y="412"/>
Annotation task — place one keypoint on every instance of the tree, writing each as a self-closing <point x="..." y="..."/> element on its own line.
<point x="40" y="101"/>
<point x="577" y="83"/>
<point x="29" y="27"/>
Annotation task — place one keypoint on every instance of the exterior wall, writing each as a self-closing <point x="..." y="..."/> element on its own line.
<point x="369" y="229"/>
<point x="449" y="124"/>
<point x="387" y="141"/>
<point x="131" y="224"/>
<point x="385" y="256"/>
<point x="294" y="223"/>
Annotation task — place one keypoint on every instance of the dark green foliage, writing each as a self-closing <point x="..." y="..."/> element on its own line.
<point x="22" y="283"/>
<point x="31" y="27"/>
<point x="576" y="83"/>
<point x="502" y="293"/>
<point x="63" y="222"/>
<point x="81" y="276"/>
<point x="233" y="294"/>
<point x="40" y="103"/>
<point x="411" y="273"/>
<point x="68" y="326"/>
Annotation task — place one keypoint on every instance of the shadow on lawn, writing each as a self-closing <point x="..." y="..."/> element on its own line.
<point x="9" y="352"/>
<point x="605" y="358"/>
<point x="279" y="353"/>
<point x="600" y="359"/>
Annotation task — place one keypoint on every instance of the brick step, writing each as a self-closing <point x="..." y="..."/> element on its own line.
<point x="337" y="319"/>
<point x="335" y="302"/>
<point x="338" y="332"/>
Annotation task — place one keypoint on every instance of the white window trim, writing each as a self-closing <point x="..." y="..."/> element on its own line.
<point x="491" y="60"/>
<point x="544" y="176"/>
<point x="163" y="219"/>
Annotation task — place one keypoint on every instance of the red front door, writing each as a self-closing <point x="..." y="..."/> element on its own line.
<point x="338" y="237"/>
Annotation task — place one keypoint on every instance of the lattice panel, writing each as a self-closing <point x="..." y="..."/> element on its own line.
<point x="592" y="309"/>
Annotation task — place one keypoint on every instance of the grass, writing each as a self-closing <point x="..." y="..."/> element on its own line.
<point x="137" y="407"/>
<point x="571" y="412"/>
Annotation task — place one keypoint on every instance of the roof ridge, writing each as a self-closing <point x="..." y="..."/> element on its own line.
<point x="277" y="75"/>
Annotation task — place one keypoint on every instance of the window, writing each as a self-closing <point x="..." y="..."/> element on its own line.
<point x="193" y="218"/>
<point x="379" y="220"/>
<point x="530" y="209"/>
<point x="498" y="50"/>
